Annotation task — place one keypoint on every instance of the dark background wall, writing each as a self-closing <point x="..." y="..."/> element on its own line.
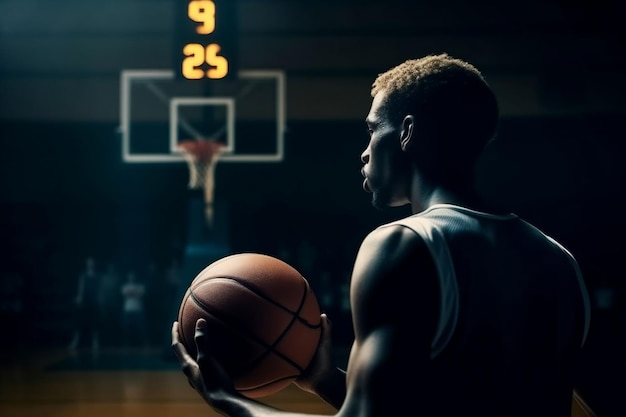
<point x="557" y="68"/>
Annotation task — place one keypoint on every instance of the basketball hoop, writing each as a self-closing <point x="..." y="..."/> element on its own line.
<point x="201" y="155"/>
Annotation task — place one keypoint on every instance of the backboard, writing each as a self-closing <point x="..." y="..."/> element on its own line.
<point x="157" y="111"/>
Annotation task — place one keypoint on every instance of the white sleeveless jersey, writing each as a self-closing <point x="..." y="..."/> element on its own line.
<point x="513" y="304"/>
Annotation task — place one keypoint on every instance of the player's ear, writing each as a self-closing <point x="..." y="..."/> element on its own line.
<point x="407" y="132"/>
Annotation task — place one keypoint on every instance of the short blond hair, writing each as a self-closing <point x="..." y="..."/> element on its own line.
<point x="448" y="95"/>
<point x="410" y="72"/>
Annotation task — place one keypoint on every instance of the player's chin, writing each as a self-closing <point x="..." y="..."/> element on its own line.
<point x="379" y="201"/>
<point x="383" y="201"/>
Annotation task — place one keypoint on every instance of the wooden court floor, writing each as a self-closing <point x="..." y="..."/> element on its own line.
<point x="114" y="383"/>
<point x="118" y="383"/>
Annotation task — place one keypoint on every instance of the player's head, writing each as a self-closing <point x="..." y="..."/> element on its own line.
<point x="434" y="115"/>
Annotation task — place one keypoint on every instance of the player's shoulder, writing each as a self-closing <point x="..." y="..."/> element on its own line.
<point x="396" y="234"/>
<point x="392" y="246"/>
<point x="408" y="231"/>
<point x="393" y="256"/>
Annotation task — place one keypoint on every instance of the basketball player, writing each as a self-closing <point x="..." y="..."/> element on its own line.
<point x="457" y="310"/>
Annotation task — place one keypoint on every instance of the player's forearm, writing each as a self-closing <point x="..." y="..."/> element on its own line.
<point x="332" y="389"/>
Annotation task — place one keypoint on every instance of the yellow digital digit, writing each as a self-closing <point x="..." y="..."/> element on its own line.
<point x="219" y="64"/>
<point x="202" y="11"/>
<point x="194" y="58"/>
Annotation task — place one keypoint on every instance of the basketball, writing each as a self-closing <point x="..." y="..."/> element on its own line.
<point x="263" y="320"/>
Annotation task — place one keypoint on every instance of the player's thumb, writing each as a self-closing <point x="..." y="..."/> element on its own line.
<point x="325" y="341"/>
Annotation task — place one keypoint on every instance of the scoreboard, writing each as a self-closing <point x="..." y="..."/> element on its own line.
<point x="206" y="39"/>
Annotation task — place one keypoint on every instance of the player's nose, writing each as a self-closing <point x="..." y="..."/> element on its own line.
<point x="365" y="156"/>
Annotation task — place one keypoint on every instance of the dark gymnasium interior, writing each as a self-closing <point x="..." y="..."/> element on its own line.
<point x="558" y="68"/>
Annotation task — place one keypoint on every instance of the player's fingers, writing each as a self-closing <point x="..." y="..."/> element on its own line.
<point x="175" y="335"/>
<point x="206" y="362"/>
<point x="200" y="338"/>
<point x="213" y="374"/>
<point x="178" y="347"/>
<point x="186" y="362"/>
<point x="325" y="345"/>
<point x="189" y="367"/>
<point x="326" y="329"/>
<point x="326" y="324"/>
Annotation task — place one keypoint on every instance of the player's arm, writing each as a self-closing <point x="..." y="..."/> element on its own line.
<point x="393" y="297"/>
<point x="395" y="307"/>
<point x="393" y="263"/>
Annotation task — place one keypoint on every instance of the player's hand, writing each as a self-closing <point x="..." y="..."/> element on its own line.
<point x="204" y="373"/>
<point x="321" y="365"/>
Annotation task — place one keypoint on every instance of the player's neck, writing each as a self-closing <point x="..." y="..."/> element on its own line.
<point x="425" y="198"/>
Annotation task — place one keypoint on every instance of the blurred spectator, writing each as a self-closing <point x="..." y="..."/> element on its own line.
<point x="88" y="302"/>
<point x="110" y="302"/>
<point x="154" y="301"/>
<point x="173" y="292"/>
<point x="133" y="312"/>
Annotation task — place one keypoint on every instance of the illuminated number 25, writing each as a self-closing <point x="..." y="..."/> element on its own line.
<point x="202" y="11"/>
<point x="197" y="55"/>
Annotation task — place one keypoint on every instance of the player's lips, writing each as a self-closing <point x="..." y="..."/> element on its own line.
<point x="366" y="186"/>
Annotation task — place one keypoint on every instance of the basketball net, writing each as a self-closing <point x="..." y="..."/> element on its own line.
<point x="201" y="156"/>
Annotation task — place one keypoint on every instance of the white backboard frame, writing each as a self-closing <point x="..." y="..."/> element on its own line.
<point x="127" y="77"/>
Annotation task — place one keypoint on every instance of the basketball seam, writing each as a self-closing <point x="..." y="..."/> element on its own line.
<point x="268" y="347"/>
<point x="257" y="291"/>
<point x="295" y="315"/>
<point x="182" y="308"/>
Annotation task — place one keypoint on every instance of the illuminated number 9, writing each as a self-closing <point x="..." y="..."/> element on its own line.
<point x="196" y="55"/>
<point x="202" y="11"/>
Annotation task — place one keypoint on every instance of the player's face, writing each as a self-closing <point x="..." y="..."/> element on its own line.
<point x="384" y="166"/>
